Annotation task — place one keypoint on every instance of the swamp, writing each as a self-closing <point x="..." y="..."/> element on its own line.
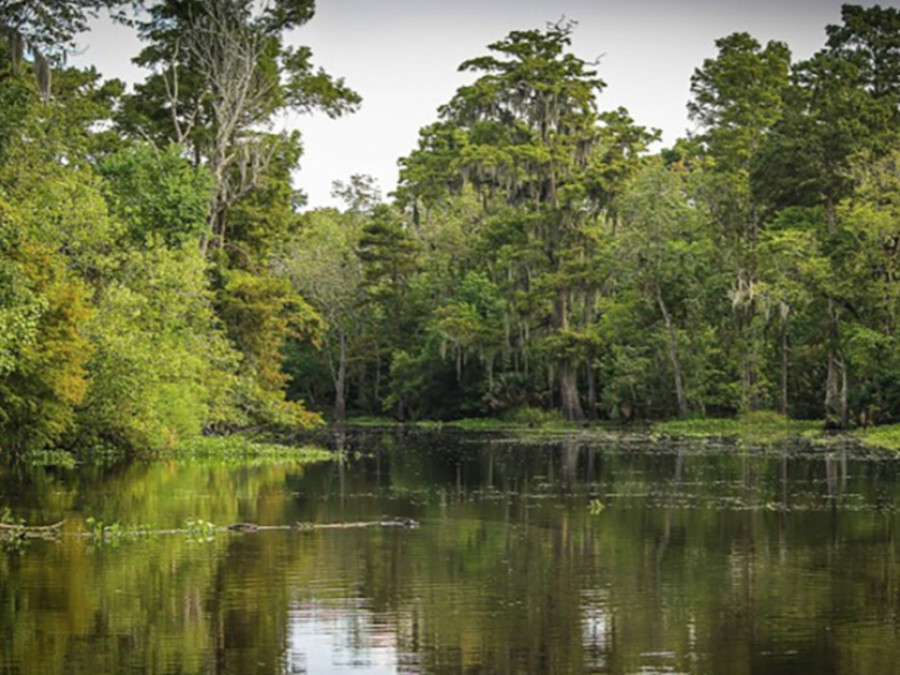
<point x="227" y="400"/>
<point x="560" y="553"/>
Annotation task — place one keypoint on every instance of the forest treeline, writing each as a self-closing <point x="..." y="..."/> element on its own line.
<point x="160" y="277"/>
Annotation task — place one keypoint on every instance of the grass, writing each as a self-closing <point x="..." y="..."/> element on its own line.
<point x="886" y="437"/>
<point x="759" y="427"/>
<point x="245" y="450"/>
<point x="370" y="421"/>
<point x="550" y="423"/>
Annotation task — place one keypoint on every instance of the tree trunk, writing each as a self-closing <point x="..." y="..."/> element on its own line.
<point x="784" y="367"/>
<point x="673" y="356"/>
<point x="831" y="392"/>
<point x="568" y="392"/>
<point x="835" y="400"/>
<point x="836" y="410"/>
<point x="569" y="401"/>
<point x="845" y="412"/>
<point x="589" y="302"/>
<point x="340" y="383"/>
<point x="592" y="384"/>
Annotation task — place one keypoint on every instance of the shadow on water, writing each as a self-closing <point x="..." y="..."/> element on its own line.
<point x="568" y="554"/>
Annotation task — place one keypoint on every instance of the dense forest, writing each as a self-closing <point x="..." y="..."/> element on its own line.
<point x="160" y="277"/>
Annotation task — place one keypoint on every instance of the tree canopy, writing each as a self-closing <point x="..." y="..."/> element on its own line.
<point x="542" y="256"/>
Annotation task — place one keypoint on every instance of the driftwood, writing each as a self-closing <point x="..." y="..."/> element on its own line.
<point x="10" y="531"/>
<point x="408" y="524"/>
<point x="252" y="527"/>
<point x="22" y="531"/>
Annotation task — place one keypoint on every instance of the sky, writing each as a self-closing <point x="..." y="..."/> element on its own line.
<point x="402" y="57"/>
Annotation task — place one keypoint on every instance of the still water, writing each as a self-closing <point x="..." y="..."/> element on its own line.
<point x="566" y="555"/>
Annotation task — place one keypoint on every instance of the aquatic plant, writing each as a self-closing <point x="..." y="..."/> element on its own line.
<point x="756" y="427"/>
<point x="245" y="451"/>
<point x="887" y="436"/>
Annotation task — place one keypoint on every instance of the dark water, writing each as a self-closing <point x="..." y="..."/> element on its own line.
<point x="564" y="556"/>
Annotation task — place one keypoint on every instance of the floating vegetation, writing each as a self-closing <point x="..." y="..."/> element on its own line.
<point x="886" y="437"/>
<point x="596" y="506"/>
<point x="57" y="458"/>
<point x="200" y="531"/>
<point x="535" y="422"/>
<point x="756" y="427"/>
<point x="112" y="534"/>
<point x="14" y="534"/>
<point x="245" y="451"/>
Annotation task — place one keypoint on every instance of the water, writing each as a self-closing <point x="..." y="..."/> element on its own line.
<point x="626" y="556"/>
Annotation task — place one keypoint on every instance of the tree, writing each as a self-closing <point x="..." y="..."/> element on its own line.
<point x="222" y="74"/>
<point x="793" y="274"/>
<point x="46" y="29"/>
<point x="865" y="253"/>
<point x="662" y="234"/>
<point x="324" y="266"/>
<point x="530" y="124"/>
<point x="159" y="194"/>
<point x="843" y="103"/>
<point x="737" y="99"/>
<point x="43" y="352"/>
<point x="49" y="25"/>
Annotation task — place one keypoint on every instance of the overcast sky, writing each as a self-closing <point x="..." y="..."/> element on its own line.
<point x="402" y="57"/>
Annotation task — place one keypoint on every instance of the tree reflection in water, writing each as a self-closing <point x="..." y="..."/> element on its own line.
<point x="706" y="558"/>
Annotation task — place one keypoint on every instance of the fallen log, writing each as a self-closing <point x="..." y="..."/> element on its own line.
<point x="410" y="524"/>
<point x="305" y="526"/>
<point x="22" y="531"/>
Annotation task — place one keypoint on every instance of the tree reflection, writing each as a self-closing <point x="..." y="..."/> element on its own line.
<point x="704" y="559"/>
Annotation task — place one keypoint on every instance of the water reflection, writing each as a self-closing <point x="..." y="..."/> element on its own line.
<point x="700" y="558"/>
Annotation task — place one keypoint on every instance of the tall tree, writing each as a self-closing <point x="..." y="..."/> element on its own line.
<point x="737" y="99"/>
<point x="222" y="73"/>
<point x="530" y="123"/>
<point x="324" y="263"/>
<point x="665" y="239"/>
<point x="844" y="102"/>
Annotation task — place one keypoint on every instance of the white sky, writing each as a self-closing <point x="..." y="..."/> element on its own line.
<point x="402" y="56"/>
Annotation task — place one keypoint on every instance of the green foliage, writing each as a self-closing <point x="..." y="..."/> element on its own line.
<point x="162" y="370"/>
<point x="472" y="322"/>
<point x="50" y="25"/>
<point x="258" y="312"/>
<point x="737" y="97"/>
<point x="17" y="97"/>
<point x="46" y="377"/>
<point x="221" y="73"/>
<point x="158" y="281"/>
<point x="159" y="194"/>
<point x="425" y="385"/>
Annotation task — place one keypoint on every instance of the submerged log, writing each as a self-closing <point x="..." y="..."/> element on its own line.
<point x="407" y="523"/>
<point x="14" y="531"/>
<point x="22" y="531"/>
<point x="253" y="527"/>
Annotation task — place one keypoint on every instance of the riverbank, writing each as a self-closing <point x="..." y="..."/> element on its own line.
<point x="760" y="428"/>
